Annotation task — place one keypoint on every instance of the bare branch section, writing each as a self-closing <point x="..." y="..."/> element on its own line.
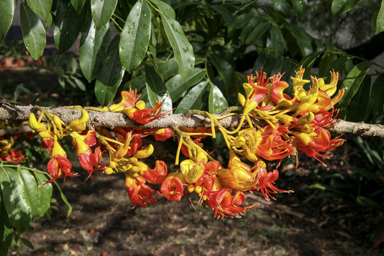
<point x="111" y="120"/>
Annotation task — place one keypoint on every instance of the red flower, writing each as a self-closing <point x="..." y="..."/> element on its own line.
<point x="226" y="205"/>
<point x="260" y="89"/>
<point x="163" y="134"/>
<point x="172" y="187"/>
<point x="59" y="165"/>
<point x="156" y="175"/>
<point x="47" y="144"/>
<point x="139" y="193"/>
<point x="15" y="156"/>
<point x="266" y="183"/>
<point x="147" y="115"/>
<point x="90" y="161"/>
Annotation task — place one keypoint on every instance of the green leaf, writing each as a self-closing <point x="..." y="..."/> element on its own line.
<point x="303" y="39"/>
<point x="225" y="69"/>
<point x="27" y="243"/>
<point x="182" y="48"/>
<point x="252" y="23"/>
<point x="33" y="31"/>
<point x="369" y="203"/>
<point x="44" y="194"/>
<point x="195" y="98"/>
<point x="80" y="84"/>
<point x="102" y="11"/>
<point x="379" y="20"/>
<point x="307" y="63"/>
<point x="176" y="86"/>
<point x="282" y="7"/>
<point x="336" y="65"/>
<point x="41" y="7"/>
<point x="277" y="44"/>
<point x="93" y="47"/>
<point x="135" y="83"/>
<point x="352" y="82"/>
<point x="267" y="61"/>
<point x="169" y="68"/>
<point x="238" y="22"/>
<point x="341" y="6"/>
<point x="257" y="32"/>
<point x="325" y="61"/>
<point x="166" y="9"/>
<point x="31" y="185"/>
<point x="299" y="7"/>
<point x="377" y="96"/>
<point x="7" y="9"/>
<point x="156" y="89"/>
<point x="16" y="198"/>
<point x="69" y="211"/>
<point x="6" y="230"/>
<point x="217" y="102"/>
<point x="135" y="36"/>
<point x="359" y="107"/>
<point x="78" y="4"/>
<point x="66" y="26"/>
<point x="110" y="75"/>
<point x="227" y="15"/>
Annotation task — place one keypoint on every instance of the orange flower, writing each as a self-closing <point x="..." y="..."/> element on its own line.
<point x="226" y="205"/>
<point x="57" y="166"/>
<point x="146" y="115"/>
<point x="173" y="186"/>
<point x="90" y="161"/>
<point x="163" y="134"/>
<point x="156" y="175"/>
<point x="266" y="183"/>
<point x="138" y="193"/>
<point x="14" y="156"/>
<point x="128" y="100"/>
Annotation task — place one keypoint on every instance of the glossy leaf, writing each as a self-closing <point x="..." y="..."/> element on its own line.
<point x="352" y="82"/>
<point x="225" y="69"/>
<point x="325" y="61"/>
<point x="69" y="211"/>
<point x="33" y="31"/>
<point x="307" y="63"/>
<point x="257" y="32"/>
<point x="336" y="65"/>
<point x="359" y="107"/>
<point x="66" y="26"/>
<point x="303" y="39"/>
<point x="227" y="15"/>
<point x="195" y="98"/>
<point x="6" y="230"/>
<point x="299" y="7"/>
<point x="102" y="11"/>
<point x="44" y="194"/>
<point x="156" y="88"/>
<point x="217" y="102"/>
<point x="169" y="68"/>
<point x="377" y="96"/>
<point x="7" y="11"/>
<point x="16" y="198"/>
<point x="238" y="22"/>
<point x="176" y="86"/>
<point x="379" y="19"/>
<point x="252" y="23"/>
<point x="267" y="61"/>
<point x="31" y="188"/>
<point x="93" y="47"/>
<point x="282" y="7"/>
<point x="41" y="7"/>
<point x="135" y="83"/>
<point x="341" y="6"/>
<point x="166" y="9"/>
<point x="182" y="48"/>
<point x="78" y="4"/>
<point x="27" y="243"/>
<point x="135" y="36"/>
<point x="277" y="44"/>
<point x="110" y="75"/>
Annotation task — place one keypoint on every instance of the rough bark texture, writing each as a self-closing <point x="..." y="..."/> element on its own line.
<point x="111" y="120"/>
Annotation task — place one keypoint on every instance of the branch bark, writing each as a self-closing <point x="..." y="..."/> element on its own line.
<point x="111" y="120"/>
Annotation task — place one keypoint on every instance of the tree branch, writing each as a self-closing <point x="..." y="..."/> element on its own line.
<point x="111" y="120"/>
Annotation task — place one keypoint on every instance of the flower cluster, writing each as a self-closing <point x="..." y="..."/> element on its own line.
<point x="7" y="152"/>
<point x="291" y="124"/>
